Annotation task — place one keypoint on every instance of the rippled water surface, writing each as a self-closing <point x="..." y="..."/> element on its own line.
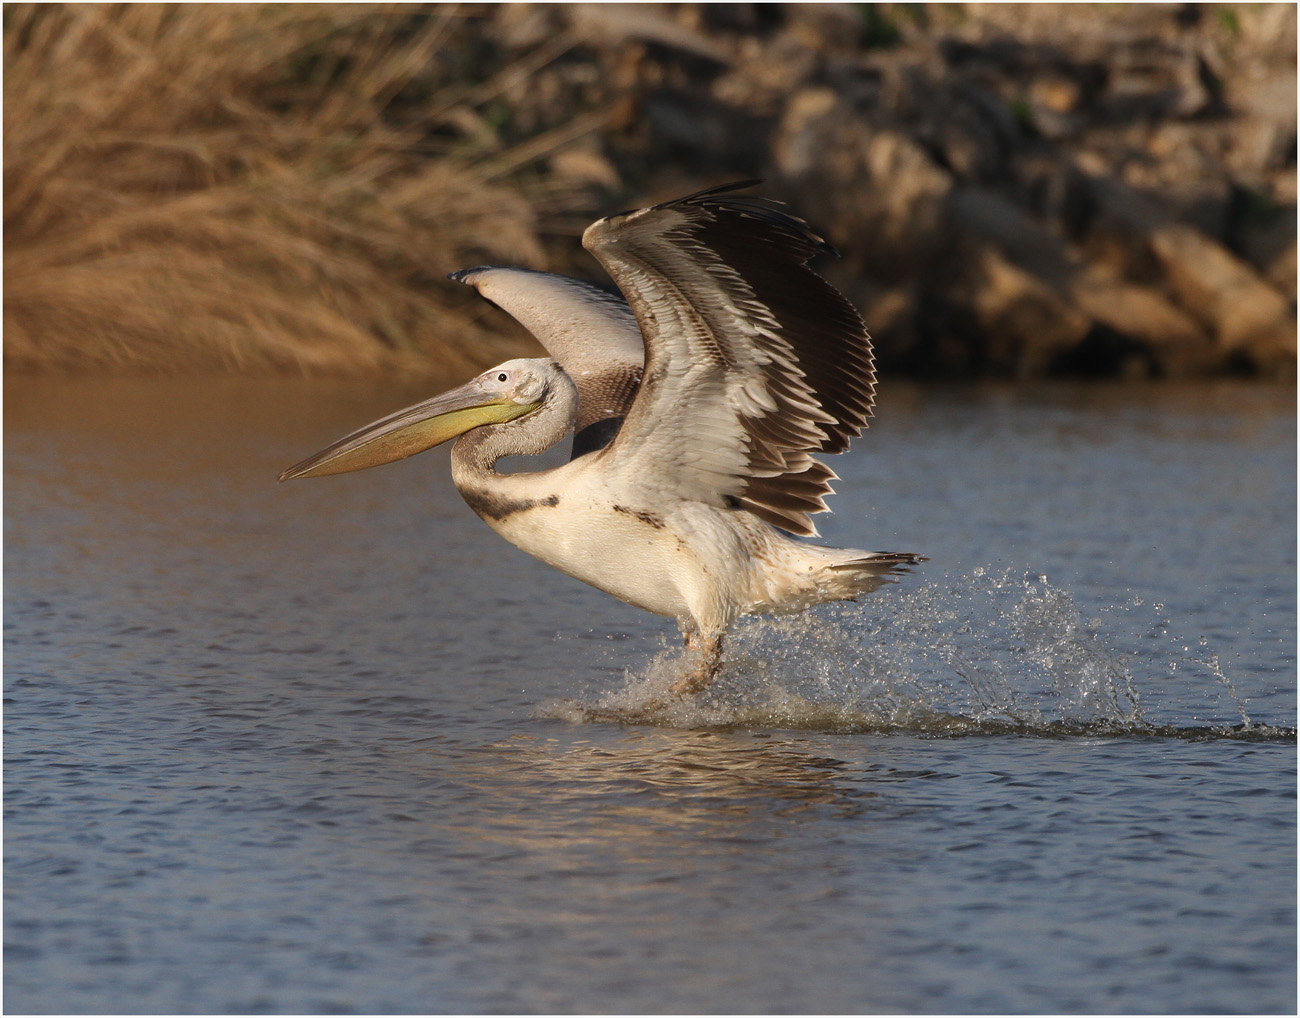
<point x="333" y="746"/>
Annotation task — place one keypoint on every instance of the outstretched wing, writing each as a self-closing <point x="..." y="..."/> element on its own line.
<point x="754" y="363"/>
<point x="588" y="329"/>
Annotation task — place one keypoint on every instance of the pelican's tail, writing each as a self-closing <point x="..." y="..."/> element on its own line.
<point x="851" y="572"/>
<point x="815" y="574"/>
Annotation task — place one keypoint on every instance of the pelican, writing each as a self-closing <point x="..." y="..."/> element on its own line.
<point x="699" y="400"/>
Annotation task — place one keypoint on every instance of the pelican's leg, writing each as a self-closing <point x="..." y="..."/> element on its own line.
<point x="710" y="648"/>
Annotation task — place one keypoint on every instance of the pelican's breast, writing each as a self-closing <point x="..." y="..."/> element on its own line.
<point x="561" y="518"/>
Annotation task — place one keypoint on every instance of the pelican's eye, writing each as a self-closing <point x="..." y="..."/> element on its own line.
<point x="503" y="377"/>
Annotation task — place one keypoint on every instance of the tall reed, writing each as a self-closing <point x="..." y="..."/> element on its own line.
<point x="211" y="186"/>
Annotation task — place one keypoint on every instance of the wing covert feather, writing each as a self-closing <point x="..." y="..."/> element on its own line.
<point x="587" y="328"/>
<point x="754" y="363"/>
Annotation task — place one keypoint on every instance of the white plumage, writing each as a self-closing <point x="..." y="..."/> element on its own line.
<point x="699" y="405"/>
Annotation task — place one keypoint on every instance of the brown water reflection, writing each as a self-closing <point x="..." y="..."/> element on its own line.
<point x="705" y="776"/>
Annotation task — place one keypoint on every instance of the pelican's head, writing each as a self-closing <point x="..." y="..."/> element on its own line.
<point x="501" y="394"/>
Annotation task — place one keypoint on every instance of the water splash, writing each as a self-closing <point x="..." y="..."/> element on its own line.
<point x="978" y="654"/>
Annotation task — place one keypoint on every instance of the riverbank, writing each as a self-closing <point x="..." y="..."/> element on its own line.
<point x="1016" y="191"/>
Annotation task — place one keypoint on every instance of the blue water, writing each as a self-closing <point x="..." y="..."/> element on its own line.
<point x="332" y="746"/>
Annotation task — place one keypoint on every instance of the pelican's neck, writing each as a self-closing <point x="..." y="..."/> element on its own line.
<point x="475" y="454"/>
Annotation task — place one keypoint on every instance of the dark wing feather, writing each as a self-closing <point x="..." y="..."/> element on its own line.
<point x="754" y="363"/>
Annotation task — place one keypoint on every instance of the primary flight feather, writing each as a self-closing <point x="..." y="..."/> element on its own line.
<point x="699" y="400"/>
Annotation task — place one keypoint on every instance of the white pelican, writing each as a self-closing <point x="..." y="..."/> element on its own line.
<point x="698" y="407"/>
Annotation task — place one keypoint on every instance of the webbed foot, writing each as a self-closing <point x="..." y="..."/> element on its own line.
<point x="701" y="677"/>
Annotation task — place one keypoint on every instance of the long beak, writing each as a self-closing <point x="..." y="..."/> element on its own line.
<point x="412" y="430"/>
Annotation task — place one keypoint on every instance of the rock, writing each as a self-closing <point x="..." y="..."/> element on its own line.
<point x="1026" y="323"/>
<point x="797" y="144"/>
<point x="1170" y="340"/>
<point x="616" y="24"/>
<point x="1263" y="233"/>
<point x="875" y="191"/>
<point x="1248" y="317"/>
<point x="992" y="219"/>
<point x="1281" y="271"/>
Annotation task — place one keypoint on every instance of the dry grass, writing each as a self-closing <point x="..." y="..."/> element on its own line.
<point x="244" y="187"/>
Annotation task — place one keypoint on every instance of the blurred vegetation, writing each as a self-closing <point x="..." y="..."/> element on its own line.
<point x="250" y="187"/>
<point x="1017" y="190"/>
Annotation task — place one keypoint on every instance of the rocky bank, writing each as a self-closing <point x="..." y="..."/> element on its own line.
<point x="1015" y="190"/>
